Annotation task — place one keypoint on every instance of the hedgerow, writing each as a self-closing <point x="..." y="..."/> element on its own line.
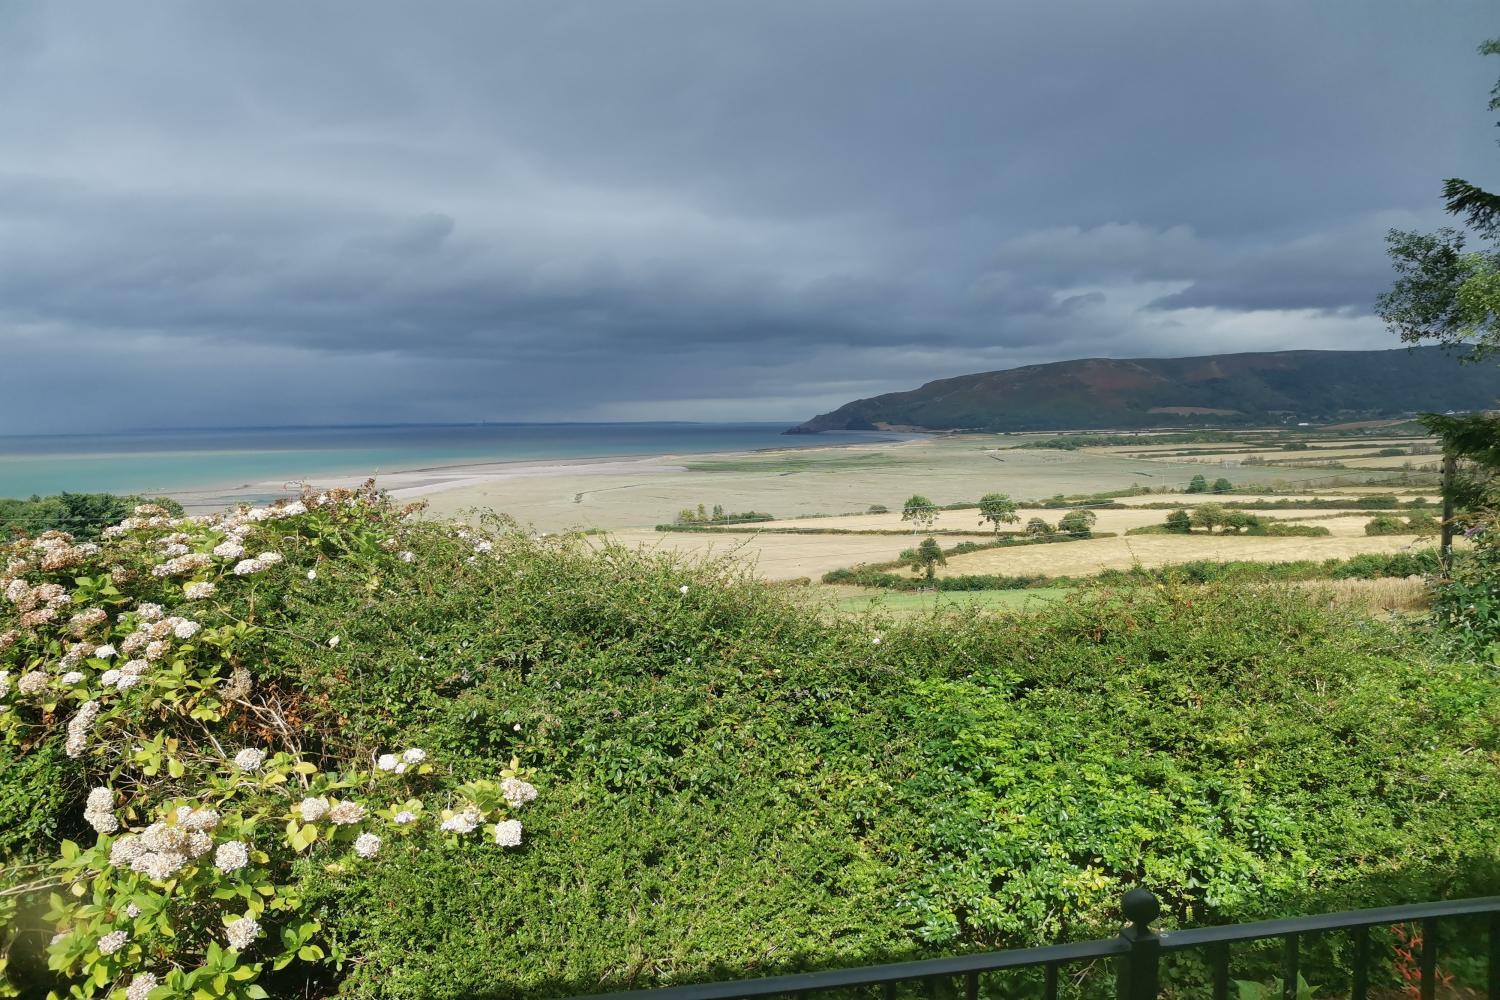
<point x="730" y="783"/>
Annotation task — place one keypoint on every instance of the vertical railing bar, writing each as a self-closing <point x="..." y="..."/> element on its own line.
<point x="1289" y="969"/>
<point x="1494" y="969"/>
<point x="888" y="990"/>
<point x="1219" y="955"/>
<point x="1429" y="959"/>
<point x="1360" y="989"/>
<point x="1051" y="981"/>
<point x="971" y="986"/>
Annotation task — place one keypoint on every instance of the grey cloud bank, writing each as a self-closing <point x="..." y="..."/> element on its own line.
<point x="325" y="213"/>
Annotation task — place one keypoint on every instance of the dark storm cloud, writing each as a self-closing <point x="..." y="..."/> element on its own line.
<point x="311" y="212"/>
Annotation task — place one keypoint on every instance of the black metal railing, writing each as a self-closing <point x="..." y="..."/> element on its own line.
<point x="1138" y="951"/>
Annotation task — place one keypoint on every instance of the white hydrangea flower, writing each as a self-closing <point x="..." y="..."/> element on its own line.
<point x="157" y="648"/>
<point x="140" y="986"/>
<point x="247" y="566"/>
<point x="249" y="759"/>
<point x="109" y="678"/>
<point x="312" y="809"/>
<point x="407" y="557"/>
<point x="229" y="550"/>
<point x="404" y="817"/>
<point x="387" y="762"/>
<point x="186" y="628"/>
<point x="517" y="792"/>
<point x="367" y="845"/>
<point x="462" y="822"/>
<point x="132" y="911"/>
<point x="149" y="612"/>
<point x="104" y="652"/>
<point x="124" y="852"/>
<point x="346" y="813"/>
<point x="269" y="558"/>
<point x="100" y="799"/>
<point x="508" y="833"/>
<point x="175" y="549"/>
<point x="79" y="728"/>
<point x="161" y="866"/>
<point x="112" y="942"/>
<point x="231" y="856"/>
<point x="72" y="677"/>
<point x="33" y="682"/>
<point x="4" y="683"/>
<point x="198" y="819"/>
<point x="294" y="508"/>
<point x="312" y="574"/>
<point x="242" y="933"/>
<point x="415" y="755"/>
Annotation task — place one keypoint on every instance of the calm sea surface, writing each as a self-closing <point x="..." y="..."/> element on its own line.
<point x="175" y="461"/>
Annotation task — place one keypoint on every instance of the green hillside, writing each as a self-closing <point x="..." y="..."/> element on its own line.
<point x="1226" y="389"/>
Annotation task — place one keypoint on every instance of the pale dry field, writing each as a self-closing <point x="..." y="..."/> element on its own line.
<point x="1388" y="594"/>
<point x="803" y="482"/>
<point x="1088" y="557"/>
<point x="773" y="557"/>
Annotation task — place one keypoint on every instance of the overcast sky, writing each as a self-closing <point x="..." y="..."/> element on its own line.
<point x="269" y="213"/>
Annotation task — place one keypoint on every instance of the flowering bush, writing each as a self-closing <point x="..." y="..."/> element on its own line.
<point x="207" y="803"/>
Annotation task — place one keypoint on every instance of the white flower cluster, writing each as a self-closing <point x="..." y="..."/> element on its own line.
<point x="87" y="621"/>
<point x="80" y="727"/>
<point x="517" y="792"/>
<point x="508" y="833"/>
<point x="242" y="933"/>
<point x="312" y="809"/>
<point x="261" y="562"/>
<point x="99" y="811"/>
<point x="32" y="682"/>
<point x="346" y="813"/>
<point x="231" y="856"/>
<point x="163" y="849"/>
<point x="399" y="764"/>
<point x="229" y="550"/>
<point x="183" y="564"/>
<point x="367" y="845"/>
<point x="199" y="591"/>
<point x="249" y="759"/>
<point x="466" y="820"/>
<point x="141" y="986"/>
<point x="112" y="942"/>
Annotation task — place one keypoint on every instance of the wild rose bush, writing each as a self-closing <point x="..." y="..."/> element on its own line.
<point x="207" y="802"/>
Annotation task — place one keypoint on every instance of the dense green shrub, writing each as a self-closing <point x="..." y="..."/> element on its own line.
<point x="732" y="783"/>
<point x="82" y="515"/>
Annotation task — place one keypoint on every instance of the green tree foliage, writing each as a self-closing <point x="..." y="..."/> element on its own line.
<point x="929" y="556"/>
<point x="1208" y="515"/>
<point x="1038" y="528"/>
<point x="998" y="509"/>
<point x="1443" y="290"/>
<point x="82" y="515"/>
<point x="1179" y="523"/>
<point x="1198" y="485"/>
<point x="1222" y="485"/>
<point x="1078" y="523"/>
<point x="920" y="511"/>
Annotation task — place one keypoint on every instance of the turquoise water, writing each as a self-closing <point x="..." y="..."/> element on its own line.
<point x="182" y="461"/>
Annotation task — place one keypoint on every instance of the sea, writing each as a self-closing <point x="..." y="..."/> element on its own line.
<point x="206" y="462"/>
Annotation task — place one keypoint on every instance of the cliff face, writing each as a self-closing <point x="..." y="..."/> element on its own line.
<point x="1148" y="392"/>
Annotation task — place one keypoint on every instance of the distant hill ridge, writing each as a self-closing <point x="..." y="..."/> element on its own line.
<point x="1223" y="389"/>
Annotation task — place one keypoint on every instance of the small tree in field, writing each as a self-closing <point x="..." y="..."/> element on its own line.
<point x="920" y="511"/>
<point x="1078" y="523"/>
<point x="997" y="508"/>
<point x="929" y="558"/>
<point x="1198" y="485"/>
<point x="1037" y="528"/>
<point x="1222" y="485"/>
<point x="1208" y="515"/>
<point x="1179" y="523"/>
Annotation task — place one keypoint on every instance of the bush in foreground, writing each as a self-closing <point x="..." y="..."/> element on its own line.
<point x="730" y="783"/>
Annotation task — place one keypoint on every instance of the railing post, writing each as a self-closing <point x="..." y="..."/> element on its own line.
<point x="1140" y="977"/>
